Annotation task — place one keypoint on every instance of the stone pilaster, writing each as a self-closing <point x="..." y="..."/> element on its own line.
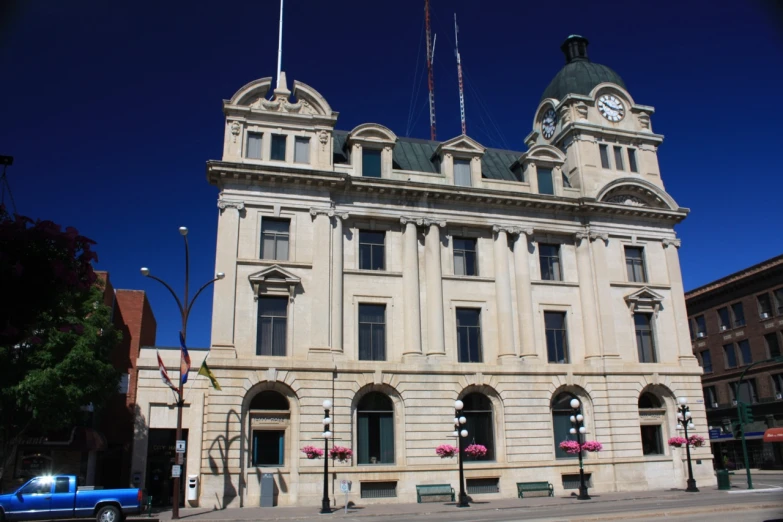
<point x="506" y="346"/>
<point x="589" y="305"/>
<point x="320" y="303"/>
<point x="677" y="292"/>
<point x="434" y="275"/>
<point x="527" y="340"/>
<point x="224" y="294"/>
<point x="337" y="282"/>
<point x="410" y="287"/>
<point x="605" y="310"/>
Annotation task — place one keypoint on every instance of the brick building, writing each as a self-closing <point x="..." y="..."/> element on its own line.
<point x="736" y="322"/>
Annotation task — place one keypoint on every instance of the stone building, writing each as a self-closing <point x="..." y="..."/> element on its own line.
<point x="393" y="276"/>
<point x="737" y="329"/>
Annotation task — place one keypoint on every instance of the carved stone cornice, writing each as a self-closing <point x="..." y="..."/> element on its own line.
<point x="512" y="230"/>
<point x="223" y="204"/>
<point x="415" y="220"/>
<point x="437" y="222"/>
<point x="329" y="212"/>
<point x="672" y="242"/>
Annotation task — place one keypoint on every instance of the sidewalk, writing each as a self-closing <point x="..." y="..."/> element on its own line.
<point x="419" y="510"/>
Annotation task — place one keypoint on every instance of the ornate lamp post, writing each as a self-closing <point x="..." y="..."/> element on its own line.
<point x="577" y="419"/>
<point x="185" y="306"/>
<point x="325" y="508"/>
<point x="460" y="433"/>
<point x="684" y="422"/>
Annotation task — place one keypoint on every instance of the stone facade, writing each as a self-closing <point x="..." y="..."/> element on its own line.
<point x="327" y="190"/>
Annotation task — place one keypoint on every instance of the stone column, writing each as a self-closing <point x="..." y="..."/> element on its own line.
<point x="337" y="282"/>
<point x="604" y="290"/>
<point x="434" y="274"/>
<point x="320" y="317"/>
<point x="587" y="296"/>
<point x="677" y="293"/>
<point x="503" y="294"/>
<point x="410" y="287"/>
<point x="224" y="294"/>
<point x="527" y="341"/>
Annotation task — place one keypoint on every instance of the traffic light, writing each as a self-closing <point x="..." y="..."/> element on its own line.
<point x="736" y="430"/>
<point x="746" y="413"/>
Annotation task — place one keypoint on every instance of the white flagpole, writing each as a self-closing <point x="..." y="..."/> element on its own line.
<point x="280" y="46"/>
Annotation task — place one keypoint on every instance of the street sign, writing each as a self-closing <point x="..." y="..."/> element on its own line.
<point x="180" y="446"/>
<point x="176" y="471"/>
<point x="715" y="433"/>
<point x="345" y="486"/>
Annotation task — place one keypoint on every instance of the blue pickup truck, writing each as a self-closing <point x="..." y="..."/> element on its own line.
<point x="58" y="497"/>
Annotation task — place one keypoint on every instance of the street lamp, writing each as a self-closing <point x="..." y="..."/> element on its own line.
<point x="578" y="429"/>
<point x="184" y="312"/>
<point x="325" y="508"/>
<point x="684" y="422"/>
<point x="460" y="433"/>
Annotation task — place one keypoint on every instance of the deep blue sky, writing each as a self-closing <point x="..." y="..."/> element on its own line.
<point x="111" y="109"/>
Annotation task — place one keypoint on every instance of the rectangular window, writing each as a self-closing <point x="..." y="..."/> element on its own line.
<point x="744" y="349"/>
<point x="778" y="293"/>
<point x="253" y="145"/>
<point x="604" y="150"/>
<point x="634" y="264"/>
<point x="301" y="150"/>
<point x="701" y="327"/>
<point x="268" y="447"/>
<point x="748" y="392"/>
<point x="122" y="388"/>
<point x="773" y="346"/>
<point x="465" y="257"/>
<point x="652" y="442"/>
<point x="62" y="485"/>
<point x="739" y="315"/>
<point x="777" y="382"/>
<point x="462" y="173"/>
<point x="556" y="337"/>
<point x="618" y="158"/>
<point x="632" y="160"/>
<point x="469" y="335"/>
<point x="645" y="343"/>
<point x="274" y="238"/>
<point x="272" y="320"/>
<point x="710" y="398"/>
<point x="278" y="147"/>
<point x="730" y="356"/>
<point x="549" y="259"/>
<point x="371" y="163"/>
<point x="723" y="318"/>
<point x="706" y="361"/>
<point x="765" y="307"/>
<point x="372" y="332"/>
<point x="545" y="183"/>
<point x="371" y="250"/>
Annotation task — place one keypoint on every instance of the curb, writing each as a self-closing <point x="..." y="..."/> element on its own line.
<point x="669" y="513"/>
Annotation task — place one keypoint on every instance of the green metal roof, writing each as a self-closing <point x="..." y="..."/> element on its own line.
<point x="580" y="77"/>
<point x="416" y="155"/>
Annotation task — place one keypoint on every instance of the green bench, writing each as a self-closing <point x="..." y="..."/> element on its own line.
<point x="527" y="487"/>
<point x="434" y="490"/>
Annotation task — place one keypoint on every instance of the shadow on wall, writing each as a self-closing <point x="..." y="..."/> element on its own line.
<point x="222" y="444"/>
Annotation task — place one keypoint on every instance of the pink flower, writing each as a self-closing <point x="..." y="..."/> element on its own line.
<point x="570" y="446"/>
<point x="678" y="441"/>
<point x="476" y="451"/>
<point x="446" y="451"/>
<point x="312" y="452"/>
<point x="696" y="440"/>
<point x="592" y="445"/>
<point x="340" y="453"/>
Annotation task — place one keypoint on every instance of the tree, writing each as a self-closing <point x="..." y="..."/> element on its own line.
<point x="55" y="347"/>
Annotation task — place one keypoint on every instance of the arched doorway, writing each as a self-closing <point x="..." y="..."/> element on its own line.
<point x="477" y="410"/>
<point x="375" y="429"/>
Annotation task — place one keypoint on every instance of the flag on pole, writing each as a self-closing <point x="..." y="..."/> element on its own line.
<point x="184" y="360"/>
<point x="206" y="372"/>
<point x="164" y="376"/>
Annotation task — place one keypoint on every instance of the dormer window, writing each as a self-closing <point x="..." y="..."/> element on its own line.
<point x="371" y="150"/>
<point x="462" y="172"/>
<point x="277" y="153"/>
<point x="371" y="163"/>
<point x="545" y="182"/>
<point x="253" y="145"/>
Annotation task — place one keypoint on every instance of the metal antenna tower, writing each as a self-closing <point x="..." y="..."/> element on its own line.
<point x="430" y="75"/>
<point x="459" y="76"/>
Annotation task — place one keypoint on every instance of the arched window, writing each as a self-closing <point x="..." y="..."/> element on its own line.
<point x="270" y="415"/>
<point x="651" y="416"/>
<point x="375" y="429"/>
<point x="561" y="422"/>
<point x="478" y="412"/>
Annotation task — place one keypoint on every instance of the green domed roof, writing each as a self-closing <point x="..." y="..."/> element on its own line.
<point x="579" y="75"/>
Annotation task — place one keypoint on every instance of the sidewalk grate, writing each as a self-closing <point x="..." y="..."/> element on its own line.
<point x="483" y="485"/>
<point x="379" y="489"/>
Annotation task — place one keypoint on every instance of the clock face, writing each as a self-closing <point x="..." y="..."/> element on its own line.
<point x="548" y="123"/>
<point x="611" y="107"/>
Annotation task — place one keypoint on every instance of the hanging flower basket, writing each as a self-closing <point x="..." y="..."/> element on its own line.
<point x="446" y="451"/>
<point x="696" y="441"/>
<point x="476" y="451"/>
<point x="592" y="446"/>
<point x="570" y="446"/>
<point x="340" y="453"/>
<point x="312" y="452"/>
<point x="678" y="442"/>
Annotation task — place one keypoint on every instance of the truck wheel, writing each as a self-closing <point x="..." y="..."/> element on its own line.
<point x="108" y="514"/>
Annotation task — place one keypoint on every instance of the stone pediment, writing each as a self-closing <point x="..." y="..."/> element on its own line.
<point x="644" y="299"/>
<point x="308" y="100"/>
<point x="461" y="144"/>
<point x="543" y="154"/>
<point x="274" y="276"/>
<point x="636" y="192"/>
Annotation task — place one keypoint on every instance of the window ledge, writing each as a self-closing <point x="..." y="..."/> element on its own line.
<point x="547" y="282"/>
<point x="630" y="284"/>
<point x="270" y="262"/>
<point x="469" y="278"/>
<point x="386" y="273"/>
